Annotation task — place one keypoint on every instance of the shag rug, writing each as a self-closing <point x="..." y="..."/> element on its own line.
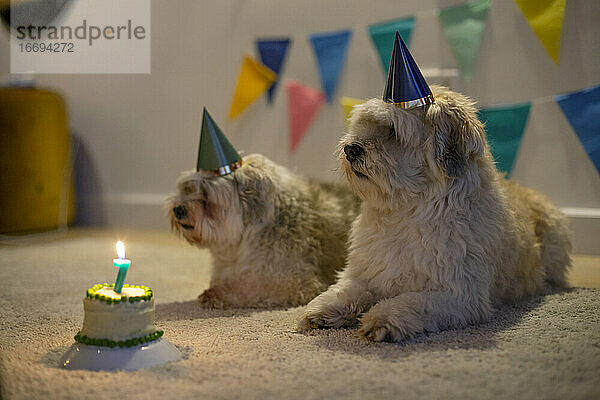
<point x="544" y="348"/>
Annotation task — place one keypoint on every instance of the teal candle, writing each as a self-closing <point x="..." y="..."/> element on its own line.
<point x="123" y="264"/>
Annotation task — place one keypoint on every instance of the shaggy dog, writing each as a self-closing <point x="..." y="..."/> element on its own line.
<point x="441" y="236"/>
<point x="277" y="239"/>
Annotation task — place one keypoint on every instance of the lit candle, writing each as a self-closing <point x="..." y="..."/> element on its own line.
<point x="123" y="264"/>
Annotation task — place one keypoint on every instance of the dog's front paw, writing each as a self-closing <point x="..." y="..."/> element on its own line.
<point x="315" y="320"/>
<point x="379" y="330"/>
<point x="381" y="324"/>
<point x="323" y="318"/>
<point x="210" y="299"/>
<point x="307" y="322"/>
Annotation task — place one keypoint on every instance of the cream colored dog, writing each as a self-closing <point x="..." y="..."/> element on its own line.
<point x="441" y="236"/>
<point x="277" y="239"/>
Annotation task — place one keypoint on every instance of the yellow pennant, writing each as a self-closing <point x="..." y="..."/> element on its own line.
<point x="253" y="80"/>
<point x="546" y="19"/>
<point x="349" y="103"/>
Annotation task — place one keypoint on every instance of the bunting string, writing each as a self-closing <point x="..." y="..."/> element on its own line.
<point x="505" y="124"/>
<point x="463" y="26"/>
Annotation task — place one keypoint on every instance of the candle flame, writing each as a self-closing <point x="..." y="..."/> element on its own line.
<point x="120" y="249"/>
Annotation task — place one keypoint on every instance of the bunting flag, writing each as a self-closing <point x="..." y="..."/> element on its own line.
<point x="349" y="103"/>
<point x="383" y="34"/>
<point x="463" y="26"/>
<point x="330" y="49"/>
<point x="272" y="54"/>
<point x="545" y="17"/>
<point x="304" y="103"/>
<point x="504" y="127"/>
<point x="582" y="109"/>
<point x="253" y="80"/>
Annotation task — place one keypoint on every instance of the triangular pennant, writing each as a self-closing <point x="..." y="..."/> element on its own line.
<point x="272" y="54"/>
<point x="330" y="50"/>
<point x="215" y="152"/>
<point x="545" y="17"/>
<point x="383" y="34"/>
<point x="582" y="109"/>
<point x="463" y="26"/>
<point x="304" y="103"/>
<point x="504" y="127"/>
<point x="349" y="103"/>
<point x="254" y="79"/>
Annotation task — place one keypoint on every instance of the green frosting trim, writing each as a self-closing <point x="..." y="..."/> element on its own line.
<point x="91" y="294"/>
<point x="79" y="338"/>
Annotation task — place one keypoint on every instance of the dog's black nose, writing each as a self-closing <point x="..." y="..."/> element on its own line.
<point x="179" y="212"/>
<point x="353" y="151"/>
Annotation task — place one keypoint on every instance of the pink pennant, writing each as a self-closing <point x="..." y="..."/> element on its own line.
<point x="304" y="103"/>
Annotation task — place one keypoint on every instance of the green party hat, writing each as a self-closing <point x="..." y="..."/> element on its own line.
<point x="215" y="153"/>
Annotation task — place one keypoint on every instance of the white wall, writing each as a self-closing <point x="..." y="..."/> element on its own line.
<point x="140" y="131"/>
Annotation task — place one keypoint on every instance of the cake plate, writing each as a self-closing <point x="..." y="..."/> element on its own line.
<point x="100" y="358"/>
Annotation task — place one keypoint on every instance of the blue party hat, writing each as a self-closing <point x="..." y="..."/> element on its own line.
<point x="405" y="86"/>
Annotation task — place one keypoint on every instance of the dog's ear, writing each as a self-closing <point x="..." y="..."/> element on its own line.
<point x="456" y="135"/>
<point x="254" y="188"/>
<point x="448" y="152"/>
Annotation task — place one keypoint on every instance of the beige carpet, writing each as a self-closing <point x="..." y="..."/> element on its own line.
<point x="546" y="348"/>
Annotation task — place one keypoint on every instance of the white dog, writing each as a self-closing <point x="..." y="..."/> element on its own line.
<point x="441" y="235"/>
<point x="277" y="239"/>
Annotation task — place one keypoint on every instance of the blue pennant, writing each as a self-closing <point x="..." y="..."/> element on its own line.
<point x="272" y="54"/>
<point x="582" y="109"/>
<point x="330" y="49"/>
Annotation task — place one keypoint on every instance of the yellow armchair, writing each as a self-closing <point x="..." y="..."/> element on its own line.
<point x="36" y="179"/>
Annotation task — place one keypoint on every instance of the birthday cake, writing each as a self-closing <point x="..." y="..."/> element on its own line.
<point x="114" y="319"/>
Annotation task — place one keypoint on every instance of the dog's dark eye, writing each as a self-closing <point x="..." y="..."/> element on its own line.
<point x="392" y="132"/>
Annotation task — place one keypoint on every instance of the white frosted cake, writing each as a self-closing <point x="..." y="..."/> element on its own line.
<point x="118" y="320"/>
